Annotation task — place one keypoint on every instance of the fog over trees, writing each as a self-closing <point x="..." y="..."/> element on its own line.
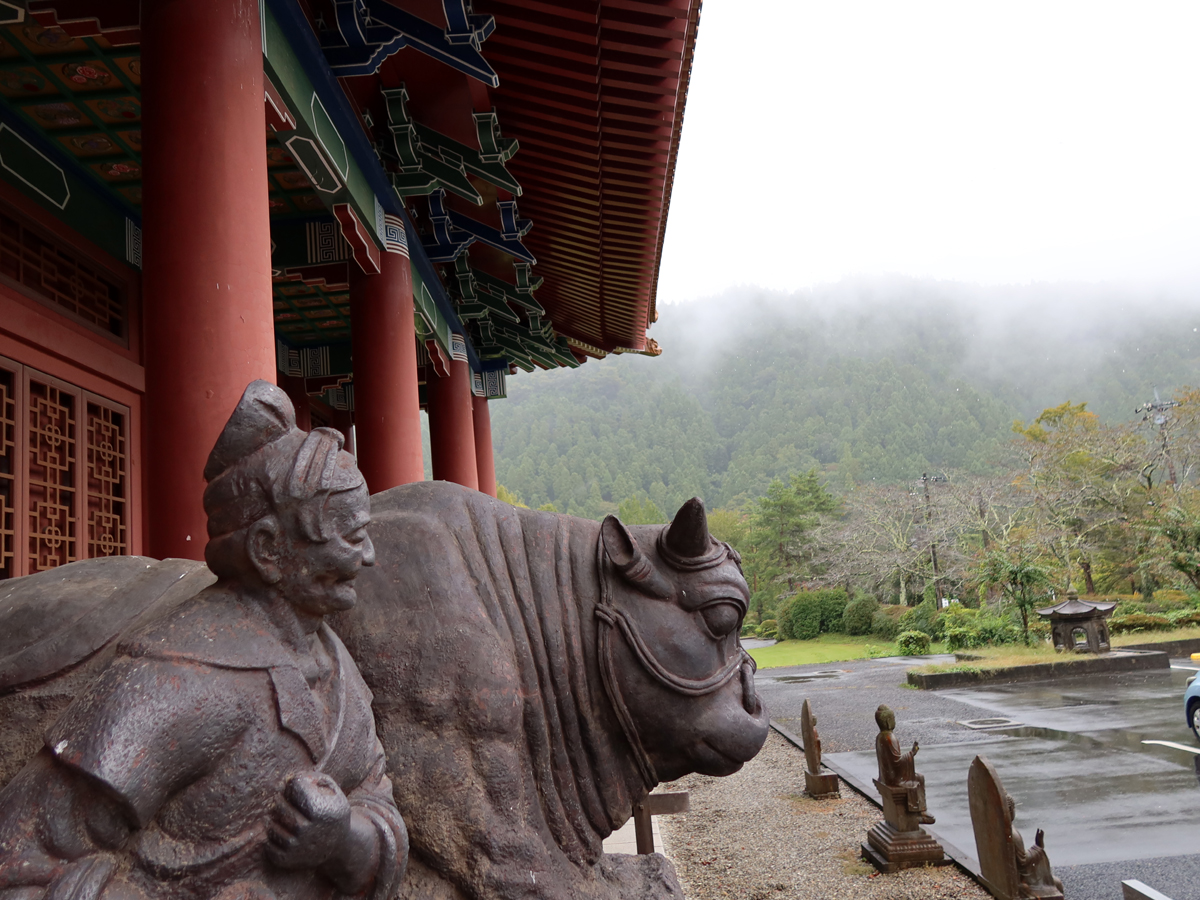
<point x="899" y="440"/>
<point x="864" y="381"/>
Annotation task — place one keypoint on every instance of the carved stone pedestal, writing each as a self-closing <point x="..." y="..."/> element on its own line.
<point x="899" y="842"/>
<point x="821" y="787"/>
<point x="890" y="850"/>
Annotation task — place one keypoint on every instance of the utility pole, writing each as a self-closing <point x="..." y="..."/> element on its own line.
<point x="1157" y="410"/>
<point x="937" y="585"/>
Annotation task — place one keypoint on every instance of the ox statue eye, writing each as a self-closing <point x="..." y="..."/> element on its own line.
<point x="721" y="617"/>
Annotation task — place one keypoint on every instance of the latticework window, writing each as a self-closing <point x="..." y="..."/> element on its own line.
<point x="9" y="389"/>
<point x="50" y="474"/>
<point x="55" y="273"/>
<point x="64" y="473"/>
<point x="106" y="488"/>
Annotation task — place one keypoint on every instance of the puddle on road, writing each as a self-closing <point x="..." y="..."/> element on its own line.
<point x="1075" y="702"/>
<point x="811" y="676"/>
<point x="993" y="722"/>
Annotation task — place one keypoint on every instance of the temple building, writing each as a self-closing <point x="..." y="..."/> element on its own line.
<point x="383" y="206"/>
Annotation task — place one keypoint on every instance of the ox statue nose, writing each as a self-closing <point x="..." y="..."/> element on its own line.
<point x="749" y="695"/>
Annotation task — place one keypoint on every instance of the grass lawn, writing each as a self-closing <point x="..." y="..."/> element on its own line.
<point x="826" y="648"/>
<point x="1000" y="658"/>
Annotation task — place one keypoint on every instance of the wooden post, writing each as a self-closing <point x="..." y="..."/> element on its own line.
<point x="656" y="805"/>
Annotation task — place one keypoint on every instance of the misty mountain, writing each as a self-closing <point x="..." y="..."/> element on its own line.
<point x="868" y="380"/>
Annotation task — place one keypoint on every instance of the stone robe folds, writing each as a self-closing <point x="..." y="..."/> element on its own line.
<point x="898" y="769"/>
<point x="190" y="737"/>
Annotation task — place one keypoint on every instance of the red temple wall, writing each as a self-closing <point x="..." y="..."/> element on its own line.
<point x="85" y="365"/>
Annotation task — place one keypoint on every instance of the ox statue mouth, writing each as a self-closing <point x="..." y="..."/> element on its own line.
<point x="728" y="758"/>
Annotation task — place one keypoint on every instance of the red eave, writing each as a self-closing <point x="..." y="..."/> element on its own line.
<point x="596" y="99"/>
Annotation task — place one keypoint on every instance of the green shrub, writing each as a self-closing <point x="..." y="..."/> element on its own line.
<point x="801" y="619"/>
<point x="810" y="613"/>
<point x="913" y="643"/>
<point x="749" y="629"/>
<point x="922" y="617"/>
<point x="859" y="614"/>
<point x="961" y="638"/>
<point x="964" y="629"/>
<point x="833" y="608"/>
<point x="1040" y="630"/>
<point x="1182" y="618"/>
<point x="884" y="626"/>
<point x="1136" y="622"/>
<point x="769" y="629"/>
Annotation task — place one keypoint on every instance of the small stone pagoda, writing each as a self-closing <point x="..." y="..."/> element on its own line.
<point x="1079" y="625"/>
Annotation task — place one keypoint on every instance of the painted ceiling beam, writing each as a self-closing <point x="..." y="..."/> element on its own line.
<point x="476" y="305"/>
<point x="295" y="28"/>
<point x="428" y="160"/>
<point x="510" y="294"/>
<point x="369" y="31"/>
<point x="453" y="232"/>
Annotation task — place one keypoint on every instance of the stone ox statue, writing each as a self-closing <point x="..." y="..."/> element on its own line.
<point x="534" y="676"/>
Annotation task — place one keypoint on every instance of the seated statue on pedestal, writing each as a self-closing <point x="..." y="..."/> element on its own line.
<point x="899" y="841"/>
<point x="898" y="770"/>
<point x="229" y="751"/>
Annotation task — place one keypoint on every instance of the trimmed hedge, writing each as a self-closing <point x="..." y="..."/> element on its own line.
<point x="810" y="613"/>
<point x="1138" y="622"/>
<point x="859" y="615"/>
<point x="913" y="643"/>
<point x="884" y="625"/>
<point x="802" y="619"/>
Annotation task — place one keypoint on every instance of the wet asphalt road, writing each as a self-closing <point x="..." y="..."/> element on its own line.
<point x="1072" y="756"/>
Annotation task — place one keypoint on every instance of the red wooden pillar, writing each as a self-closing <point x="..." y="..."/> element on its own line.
<point x="207" y="247"/>
<point x="387" y="406"/>
<point x="485" y="464"/>
<point x="451" y="426"/>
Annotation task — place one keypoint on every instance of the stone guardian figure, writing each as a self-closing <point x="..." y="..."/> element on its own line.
<point x="229" y="751"/>
<point x="818" y="785"/>
<point x="899" y="841"/>
<point x="1009" y="869"/>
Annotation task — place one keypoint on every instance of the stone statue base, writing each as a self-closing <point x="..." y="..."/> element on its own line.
<point x="889" y="850"/>
<point x="821" y="787"/>
<point x="899" y="842"/>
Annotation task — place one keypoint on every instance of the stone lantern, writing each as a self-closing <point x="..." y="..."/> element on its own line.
<point x="1079" y="625"/>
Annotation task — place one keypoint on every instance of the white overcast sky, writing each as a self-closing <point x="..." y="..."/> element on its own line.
<point x="999" y="142"/>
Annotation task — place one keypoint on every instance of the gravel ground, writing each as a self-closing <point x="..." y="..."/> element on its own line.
<point x="755" y="836"/>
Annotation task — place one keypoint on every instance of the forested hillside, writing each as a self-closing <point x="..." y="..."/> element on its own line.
<point x="864" y="382"/>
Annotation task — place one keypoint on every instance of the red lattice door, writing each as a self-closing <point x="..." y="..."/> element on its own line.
<point x="64" y="473"/>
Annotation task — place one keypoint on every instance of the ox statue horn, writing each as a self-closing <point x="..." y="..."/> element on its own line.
<point x="688" y="535"/>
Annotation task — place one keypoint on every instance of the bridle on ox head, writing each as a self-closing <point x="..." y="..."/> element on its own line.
<point x="618" y="619"/>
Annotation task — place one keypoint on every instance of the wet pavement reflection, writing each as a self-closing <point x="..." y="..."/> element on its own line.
<point x="1076" y="765"/>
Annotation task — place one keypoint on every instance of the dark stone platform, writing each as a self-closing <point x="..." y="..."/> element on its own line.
<point x="1123" y="660"/>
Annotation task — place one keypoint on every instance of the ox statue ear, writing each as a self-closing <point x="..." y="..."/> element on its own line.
<point x="629" y="559"/>
<point x="688" y="537"/>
